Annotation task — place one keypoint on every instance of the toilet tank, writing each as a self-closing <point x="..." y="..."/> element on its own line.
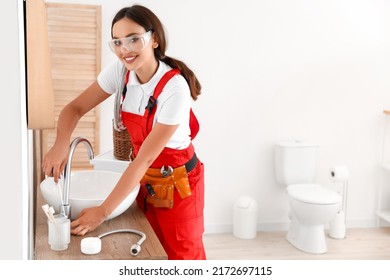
<point x="295" y="162"/>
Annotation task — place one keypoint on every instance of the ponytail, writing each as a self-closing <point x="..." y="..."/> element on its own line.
<point x="187" y="73"/>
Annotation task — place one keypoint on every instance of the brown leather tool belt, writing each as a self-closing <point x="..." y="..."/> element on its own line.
<point x="161" y="183"/>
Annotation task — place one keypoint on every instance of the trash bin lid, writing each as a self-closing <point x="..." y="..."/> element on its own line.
<point x="245" y="202"/>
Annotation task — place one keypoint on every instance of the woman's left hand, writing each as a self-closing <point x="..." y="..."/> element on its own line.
<point x="88" y="220"/>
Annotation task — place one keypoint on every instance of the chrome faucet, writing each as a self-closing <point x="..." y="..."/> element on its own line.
<point x="65" y="207"/>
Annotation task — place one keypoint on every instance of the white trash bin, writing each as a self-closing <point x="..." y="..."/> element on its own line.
<point x="245" y="218"/>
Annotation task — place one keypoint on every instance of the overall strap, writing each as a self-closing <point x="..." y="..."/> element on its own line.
<point x="151" y="107"/>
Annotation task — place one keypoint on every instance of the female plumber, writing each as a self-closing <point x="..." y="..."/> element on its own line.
<point x="156" y="111"/>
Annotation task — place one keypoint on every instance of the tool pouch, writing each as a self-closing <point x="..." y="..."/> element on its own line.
<point x="161" y="194"/>
<point x="161" y="189"/>
<point x="180" y="181"/>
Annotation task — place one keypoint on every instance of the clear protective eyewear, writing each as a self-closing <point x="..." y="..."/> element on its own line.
<point x="134" y="43"/>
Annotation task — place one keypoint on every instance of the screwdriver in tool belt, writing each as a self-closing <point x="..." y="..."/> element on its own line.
<point x="150" y="190"/>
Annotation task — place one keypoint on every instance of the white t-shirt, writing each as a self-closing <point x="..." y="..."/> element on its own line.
<point x="173" y="104"/>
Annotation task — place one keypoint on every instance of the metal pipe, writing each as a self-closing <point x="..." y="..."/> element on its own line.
<point x="135" y="248"/>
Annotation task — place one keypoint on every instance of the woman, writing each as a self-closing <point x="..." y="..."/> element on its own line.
<point x="161" y="135"/>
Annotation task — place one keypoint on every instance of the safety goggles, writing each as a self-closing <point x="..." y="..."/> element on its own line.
<point x="134" y="43"/>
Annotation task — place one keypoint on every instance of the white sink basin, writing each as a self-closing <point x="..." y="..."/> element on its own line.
<point x="87" y="189"/>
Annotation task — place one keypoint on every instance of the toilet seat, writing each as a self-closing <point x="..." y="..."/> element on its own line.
<point x="313" y="193"/>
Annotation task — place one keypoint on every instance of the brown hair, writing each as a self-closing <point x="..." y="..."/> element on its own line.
<point x="147" y="19"/>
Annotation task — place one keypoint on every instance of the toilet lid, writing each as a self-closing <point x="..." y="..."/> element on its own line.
<point x="312" y="193"/>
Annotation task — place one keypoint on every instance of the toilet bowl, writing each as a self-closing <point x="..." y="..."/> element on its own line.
<point x="312" y="206"/>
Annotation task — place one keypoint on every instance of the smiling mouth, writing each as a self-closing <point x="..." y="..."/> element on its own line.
<point x="129" y="59"/>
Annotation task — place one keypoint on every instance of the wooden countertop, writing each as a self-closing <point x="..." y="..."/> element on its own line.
<point x="114" y="247"/>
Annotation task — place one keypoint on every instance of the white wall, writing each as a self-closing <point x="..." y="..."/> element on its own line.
<point x="13" y="235"/>
<point x="275" y="70"/>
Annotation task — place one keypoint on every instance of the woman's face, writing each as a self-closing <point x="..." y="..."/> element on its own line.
<point x="133" y="45"/>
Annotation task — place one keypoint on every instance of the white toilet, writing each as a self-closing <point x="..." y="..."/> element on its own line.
<point x="312" y="206"/>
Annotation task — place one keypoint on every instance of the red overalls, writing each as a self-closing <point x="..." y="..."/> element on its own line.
<point x="179" y="229"/>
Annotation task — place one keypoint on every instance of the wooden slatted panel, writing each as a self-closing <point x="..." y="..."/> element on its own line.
<point x="75" y="42"/>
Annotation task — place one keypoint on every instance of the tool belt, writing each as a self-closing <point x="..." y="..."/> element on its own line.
<point x="161" y="183"/>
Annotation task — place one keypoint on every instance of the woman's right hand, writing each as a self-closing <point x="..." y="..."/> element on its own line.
<point x="55" y="160"/>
